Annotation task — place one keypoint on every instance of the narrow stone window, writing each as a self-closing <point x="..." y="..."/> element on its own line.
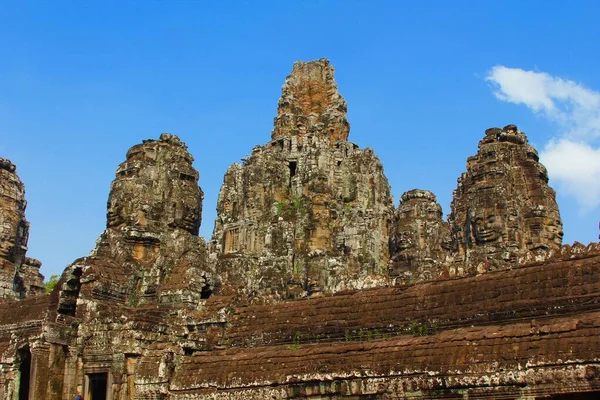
<point x="292" y="165"/>
<point x="206" y="292"/>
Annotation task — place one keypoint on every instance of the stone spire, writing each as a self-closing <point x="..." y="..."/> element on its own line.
<point x="309" y="212"/>
<point x="503" y="206"/>
<point x="19" y="275"/>
<point x="156" y="189"/>
<point x="310" y="104"/>
<point x="420" y="239"/>
<point x="150" y="252"/>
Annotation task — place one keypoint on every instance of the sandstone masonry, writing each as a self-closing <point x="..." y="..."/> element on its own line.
<point x="312" y="285"/>
<point x="309" y="212"/>
<point x="19" y="275"/>
<point x="503" y="206"/>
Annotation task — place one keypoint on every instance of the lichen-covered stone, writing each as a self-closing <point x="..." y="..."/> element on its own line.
<point x="420" y="239"/>
<point x="150" y="252"/>
<point x="143" y="317"/>
<point x="156" y="189"/>
<point x="308" y="212"/>
<point x="503" y="206"/>
<point x="19" y="275"/>
<point x="138" y="297"/>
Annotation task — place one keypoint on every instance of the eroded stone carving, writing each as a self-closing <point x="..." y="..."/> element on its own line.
<point x="503" y="206"/>
<point x="310" y="104"/>
<point x="156" y="188"/>
<point x="153" y="218"/>
<point x="420" y="239"/>
<point x="19" y="275"/>
<point x="305" y="214"/>
<point x="308" y="212"/>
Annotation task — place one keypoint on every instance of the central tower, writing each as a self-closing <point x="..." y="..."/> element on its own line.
<point x="309" y="211"/>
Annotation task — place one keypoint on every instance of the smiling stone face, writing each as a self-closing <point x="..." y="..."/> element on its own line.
<point x="545" y="232"/>
<point x="419" y="242"/>
<point x="153" y="219"/>
<point x="503" y="206"/>
<point x="488" y="228"/>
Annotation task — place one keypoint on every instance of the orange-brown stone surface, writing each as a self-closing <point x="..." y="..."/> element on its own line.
<point x="310" y="104"/>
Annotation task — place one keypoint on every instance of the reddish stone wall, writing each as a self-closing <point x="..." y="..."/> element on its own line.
<point x="560" y="354"/>
<point x="535" y="291"/>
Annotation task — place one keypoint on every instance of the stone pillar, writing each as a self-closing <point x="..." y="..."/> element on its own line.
<point x="130" y="364"/>
<point x="40" y="372"/>
<point x="57" y="358"/>
<point x="71" y="375"/>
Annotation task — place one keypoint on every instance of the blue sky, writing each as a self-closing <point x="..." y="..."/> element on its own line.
<point x="81" y="82"/>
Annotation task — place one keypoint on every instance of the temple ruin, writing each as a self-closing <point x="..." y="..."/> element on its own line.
<point x="19" y="275"/>
<point x="313" y="284"/>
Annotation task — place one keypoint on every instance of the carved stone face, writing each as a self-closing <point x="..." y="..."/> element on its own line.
<point x="554" y="233"/>
<point x="419" y="226"/>
<point x="156" y="188"/>
<point x="432" y="212"/>
<point x="186" y="200"/>
<point x="114" y="213"/>
<point x="488" y="228"/>
<point x="543" y="228"/>
<point x="405" y="240"/>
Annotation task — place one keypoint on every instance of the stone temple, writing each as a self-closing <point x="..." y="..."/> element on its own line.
<point x="313" y="285"/>
<point x="308" y="213"/>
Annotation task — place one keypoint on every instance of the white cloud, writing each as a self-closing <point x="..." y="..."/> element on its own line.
<point x="573" y="158"/>
<point x="576" y="166"/>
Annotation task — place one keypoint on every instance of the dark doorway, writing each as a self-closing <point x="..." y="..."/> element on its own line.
<point x="98" y="383"/>
<point x="292" y="165"/>
<point x="25" y="372"/>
